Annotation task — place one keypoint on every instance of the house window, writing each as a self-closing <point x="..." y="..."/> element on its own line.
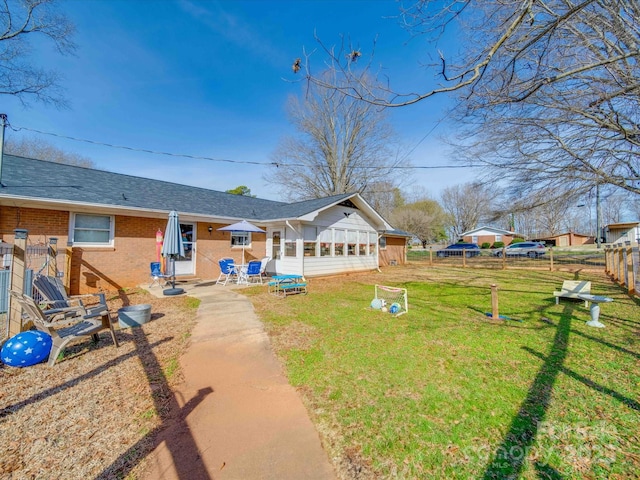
<point x="382" y="242"/>
<point x="240" y="239"/>
<point x="290" y="243"/>
<point x="474" y="239"/>
<point x="92" y="229"/>
<point x="362" y="243"/>
<point x="339" y="243"/>
<point x="310" y="238"/>
<point x="352" y="243"/>
<point x="372" y="243"/>
<point x="325" y="242"/>
<point x="498" y="238"/>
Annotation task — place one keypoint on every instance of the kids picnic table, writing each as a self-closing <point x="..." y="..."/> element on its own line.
<point x="283" y="285"/>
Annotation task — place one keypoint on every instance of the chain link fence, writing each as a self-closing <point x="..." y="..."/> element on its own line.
<point x="37" y="262"/>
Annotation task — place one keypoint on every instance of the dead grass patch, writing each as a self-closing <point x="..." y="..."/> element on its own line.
<point x="94" y="413"/>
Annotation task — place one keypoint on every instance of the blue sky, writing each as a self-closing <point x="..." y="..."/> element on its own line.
<point x="211" y="78"/>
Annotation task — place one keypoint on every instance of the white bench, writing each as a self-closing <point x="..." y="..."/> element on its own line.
<point x="573" y="289"/>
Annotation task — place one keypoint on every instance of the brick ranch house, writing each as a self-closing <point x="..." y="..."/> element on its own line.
<point x="106" y="225"/>
<point x="489" y="235"/>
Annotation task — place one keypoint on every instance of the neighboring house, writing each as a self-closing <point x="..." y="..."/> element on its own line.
<point x="622" y="232"/>
<point x="489" y="235"/>
<point x="106" y="223"/>
<point x="567" y="239"/>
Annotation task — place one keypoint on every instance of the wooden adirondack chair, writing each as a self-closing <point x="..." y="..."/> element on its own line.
<point x="58" y="303"/>
<point x="87" y="325"/>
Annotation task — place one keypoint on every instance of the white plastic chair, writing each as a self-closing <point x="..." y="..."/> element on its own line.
<point x="263" y="267"/>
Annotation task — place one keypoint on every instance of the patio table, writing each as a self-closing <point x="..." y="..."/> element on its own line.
<point x="241" y="269"/>
<point x="595" y="308"/>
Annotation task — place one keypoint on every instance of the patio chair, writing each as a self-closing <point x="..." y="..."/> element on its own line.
<point x="88" y="325"/>
<point x="227" y="270"/>
<point x="263" y="267"/>
<point x="157" y="276"/>
<point x="252" y="272"/>
<point x="58" y="303"/>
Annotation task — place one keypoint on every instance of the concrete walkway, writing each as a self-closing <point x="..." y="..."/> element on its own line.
<point x="240" y="418"/>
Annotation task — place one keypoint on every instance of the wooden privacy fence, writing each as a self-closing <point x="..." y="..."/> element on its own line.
<point x="623" y="265"/>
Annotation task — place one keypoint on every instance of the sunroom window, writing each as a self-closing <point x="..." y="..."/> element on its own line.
<point x="339" y="243"/>
<point x="310" y="237"/>
<point x="290" y="243"/>
<point x="325" y="238"/>
<point x="373" y="237"/>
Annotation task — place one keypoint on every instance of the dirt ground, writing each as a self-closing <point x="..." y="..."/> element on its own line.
<point x="95" y="413"/>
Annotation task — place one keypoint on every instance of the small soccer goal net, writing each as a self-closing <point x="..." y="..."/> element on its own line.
<point x="391" y="299"/>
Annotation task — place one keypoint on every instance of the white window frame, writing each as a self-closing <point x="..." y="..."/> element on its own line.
<point x="239" y="235"/>
<point x="290" y="243"/>
<point x="325" y="237"/>
<point x="373" y="242"/>
<point x="310" y="238"/>
<point x="72" y="230"/>
<point x="382" y="242"/>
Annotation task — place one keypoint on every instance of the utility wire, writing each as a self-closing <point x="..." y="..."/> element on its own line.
<point x="226" y="160"/>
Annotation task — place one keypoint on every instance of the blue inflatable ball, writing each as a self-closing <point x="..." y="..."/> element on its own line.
<point x="376" y="304"/>
<point x="26" y="349"/>
<point x="394" y="308"/>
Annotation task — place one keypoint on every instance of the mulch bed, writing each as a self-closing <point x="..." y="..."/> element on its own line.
<point x="96" y="412"/>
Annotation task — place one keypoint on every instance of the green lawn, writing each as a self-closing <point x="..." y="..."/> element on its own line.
<point x="446" y="392"/>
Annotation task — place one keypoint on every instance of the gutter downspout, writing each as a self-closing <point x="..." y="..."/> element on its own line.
<point x="3" y="124"/>
<point x="378" y="255"/>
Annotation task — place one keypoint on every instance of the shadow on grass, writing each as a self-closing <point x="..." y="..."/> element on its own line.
<point x="608" y="344"/>
<point x="508" y="459"/>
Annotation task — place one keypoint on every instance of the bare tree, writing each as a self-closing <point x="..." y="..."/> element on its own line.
<point x="549" y="90"/>
<point x="35" y="147"/>
<point x="425" y="219"/>
<point x="634" y="209"/>
<point x="614" y="207"/>
<point x="21" y="21"/>
<point x="466" y="205"/>
<point x="540" y="214"/>
<point x="342" y="146"/>
<point x="384" y="197"/>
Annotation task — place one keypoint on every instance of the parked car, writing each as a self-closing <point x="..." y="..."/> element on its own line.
<point x="469" y="249"/>
<point x="523" y="249"/>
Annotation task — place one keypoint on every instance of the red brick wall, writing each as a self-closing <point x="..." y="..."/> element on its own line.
<point x="490" y="239"/>
<point x="126" y="264"/>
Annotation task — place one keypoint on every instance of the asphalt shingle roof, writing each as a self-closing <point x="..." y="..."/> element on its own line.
<point x="39" y="179"/>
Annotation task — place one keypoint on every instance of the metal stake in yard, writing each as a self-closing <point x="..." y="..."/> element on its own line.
<point x="494" y="301"/>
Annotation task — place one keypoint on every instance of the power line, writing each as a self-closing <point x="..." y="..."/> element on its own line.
<point x="142" y="150"/>
<point x="226" y="160"/>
